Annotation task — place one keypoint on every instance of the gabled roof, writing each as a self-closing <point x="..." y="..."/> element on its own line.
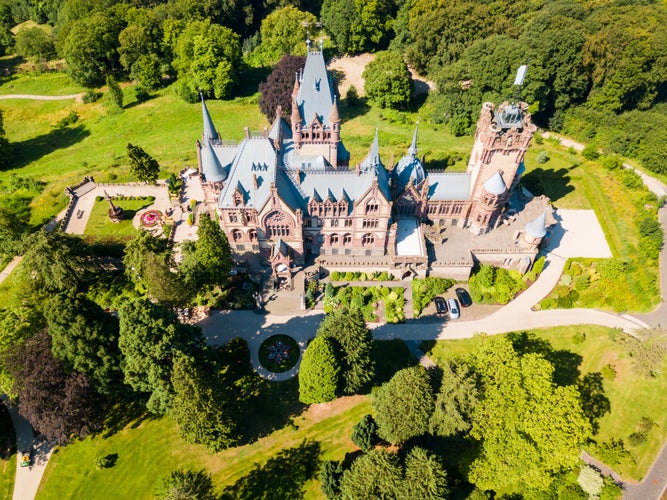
<point x="537" y="227"/>
<point x="252" y="171"/>
<point x="209" y="129"/>
<point x="374" y="163"/>
<point x="280" y="130"/>
<point x="316" y="95"/>
<point x="495" y="184"/>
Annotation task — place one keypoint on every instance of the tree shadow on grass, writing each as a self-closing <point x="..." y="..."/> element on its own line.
<point x="30" y="150"/>
<point x="281" y="477"/>
<point x="261" y="406"/>
<point x="351" y="111"/>
<point x="251" y="79"/>
<point x="593" y="400"/>
<point x="390" y="356"/>
<point x="566" y="363"/>
<point x="124" y="414"/>
<point x="555" y="184"/>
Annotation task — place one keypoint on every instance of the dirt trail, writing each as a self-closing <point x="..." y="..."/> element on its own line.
<point x="76" y="97"/>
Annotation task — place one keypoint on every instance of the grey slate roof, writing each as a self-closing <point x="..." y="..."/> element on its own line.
<point x="537" y="227"/>
<point x="209" y="129"/>
<point x="374" y="163"/>
<point x="495" y="184"/>
<point x="255" y="158"/>
<point x="449" y="186"/>
<point x="410" y="168"/>
<point x="212" y="169"/>
<point x="316" y="95"/>
<point x="280" y="130"/>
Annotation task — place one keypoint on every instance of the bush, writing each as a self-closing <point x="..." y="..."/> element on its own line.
<point x="91" y="96"/>
<point x="590" y="481"/>
<point x="68" y="120"/>
<point x="611" y="452"/>
<point x="637" y="438"/>
<point x="582" y="282"/>
<point x="141" y="93"/>
<point x="579" y="337"/>
<point x="590" y="152"/>
<point x="106" y="461"/>
<point x="542" y="157"/>
<point x="608" y="372"/>
<point x="335" y="276"/>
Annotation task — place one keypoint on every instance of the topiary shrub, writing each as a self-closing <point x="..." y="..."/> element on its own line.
<point x="364" y="433"/>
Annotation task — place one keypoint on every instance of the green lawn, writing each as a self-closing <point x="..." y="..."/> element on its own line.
<point x="55" y="83"/>
<point x="99" y="223"/>
<point x="154" y="448"/>
<point x="632" y="396"/>
<point x="7" y="454"/>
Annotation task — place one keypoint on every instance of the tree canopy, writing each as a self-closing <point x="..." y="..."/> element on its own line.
<point x="143" y="166"/>
<point x="403" y="405"/>
<point x="319" y="372"/>
<point x="353" y="341"/>
<point x="388" y="81"/>
<point x="277" y="90"/>
<point x="529" y="429"/>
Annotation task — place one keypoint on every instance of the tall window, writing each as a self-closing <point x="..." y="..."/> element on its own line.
<point x="333" y="239"/>
<point x="237" y="235"/>
<point x="233" y="217"/>
<point x="347" y="239"/>
<point x="372" y="207"/>
<point x="368" y="240"/>
<point x="277" y="224"/>
<point x="252" y="234"/>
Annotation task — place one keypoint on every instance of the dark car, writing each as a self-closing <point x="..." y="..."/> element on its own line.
<point x="464" y="297"/>
<point x="440" y="306"/>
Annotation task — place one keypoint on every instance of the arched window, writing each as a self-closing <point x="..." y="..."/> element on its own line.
<point x="237" y="235"/>
<point x="372" y="207"/>
<point x="277" y="224"/>
<point x="368" y="240"/>
<point x="252" y="234"/>
<point x="333" y="239"/>
<point x="347" y="239"/>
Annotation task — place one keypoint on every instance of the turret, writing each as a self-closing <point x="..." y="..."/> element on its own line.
<point x="209" y="129"/>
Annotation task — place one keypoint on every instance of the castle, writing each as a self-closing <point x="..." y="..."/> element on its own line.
<point x="291" y="194"/>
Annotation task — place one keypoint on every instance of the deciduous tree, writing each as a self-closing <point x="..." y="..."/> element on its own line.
<point x="529" y="429"/>
<point x="319" y="372"/>
<point x="185" y="485"/>
<point x="56" y="404"/>
<point x="277" y="90"/>
<point x="403" y="405"/>
<point x="388" y="81"/>
<point x="284" y="32"/>
<point x="35" y="43"/>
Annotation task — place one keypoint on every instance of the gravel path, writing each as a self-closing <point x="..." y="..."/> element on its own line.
<point x="34" y="97"/>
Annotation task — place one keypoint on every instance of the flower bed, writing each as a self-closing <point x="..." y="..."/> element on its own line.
<point x="150" y="218"/>
<point x="279" y="353"/>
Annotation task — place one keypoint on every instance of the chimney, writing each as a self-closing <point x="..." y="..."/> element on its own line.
<point x="255" y="184"/>
<point x="357" y="170"/>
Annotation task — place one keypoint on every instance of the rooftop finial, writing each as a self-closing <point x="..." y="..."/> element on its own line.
<point x="413" y="147"/>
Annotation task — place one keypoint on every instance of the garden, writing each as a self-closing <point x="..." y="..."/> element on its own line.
<point x="99" y="224"/>
<point x="368" y="300"/>
<point x="279" y="353"/>
<point x="425" y="290"/>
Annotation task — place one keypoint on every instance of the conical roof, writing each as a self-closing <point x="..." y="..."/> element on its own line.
<point x="212" y="170"/>
<point x="413" y="147"/>
<point x="495" y="184"/>
<point x="537" y="227"/>
<point x="209" y="129"/>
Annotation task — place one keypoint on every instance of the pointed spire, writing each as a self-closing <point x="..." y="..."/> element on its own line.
<point x="334" y="117"/>
<point x="495" y="184"/>
<point x="211" y="167"/>
<point x="413" y="147"/>
<point x="295" y="90"/>
<point x="209" y="129"/>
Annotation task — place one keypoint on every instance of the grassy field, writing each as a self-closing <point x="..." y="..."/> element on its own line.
<point x="154" y="448"/>
<point x="99" y="223"/>
<point x="632" y="396"/>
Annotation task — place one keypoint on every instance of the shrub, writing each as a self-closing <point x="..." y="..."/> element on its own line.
<point x="141" y="93"/>
<point x="99" y="198"/>
<point x="611" y="452"/>
<point x="542" y="157"/>
<point x="645" y="425"/>
<point x="582" y="282"/>
<point x="106" y="461"/>
<point x="637" y="439"/>
<point x="579" y="337"/>
<point x="91" y="96"/>
<point x="590" y="152"/>
<point x="608" y="372"/>
<point x="70" y="119"/>
<point x="590" y="481"/>
<point x="335" y="276"/>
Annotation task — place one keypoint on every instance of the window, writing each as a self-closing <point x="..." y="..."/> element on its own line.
<point x="334" y="222"/>
<point x="367" y="240"/>
<point x="238" y="198"/>
<point x="347" y="239"/>
<point x="333" y="239"/>
<point x="277" y="224"/>
<point x="237" y="235"/>
<point x="348" y="222"/>
<point x="372" y="207"/>
<point x="240" y="248"/>
<point x="370" y="223"/>
<point x="252" y="234"/>
<point x="233" y="218"/>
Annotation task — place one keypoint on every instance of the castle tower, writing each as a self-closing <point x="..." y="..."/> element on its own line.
<point x="501" y="141"/>
<point x="536" y="229"/>
<point x="489" y="204"/>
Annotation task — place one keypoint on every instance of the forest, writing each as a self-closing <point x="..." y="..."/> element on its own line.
<point x="594" y="71"/>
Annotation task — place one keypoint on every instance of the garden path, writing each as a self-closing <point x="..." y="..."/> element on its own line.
<point x="76" y="97"/>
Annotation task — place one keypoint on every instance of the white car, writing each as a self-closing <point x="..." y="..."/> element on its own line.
<point x="453" y="307"/>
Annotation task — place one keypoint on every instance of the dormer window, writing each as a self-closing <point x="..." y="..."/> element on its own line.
<point x="372" y="207"/>
<point x="238" y="198"/>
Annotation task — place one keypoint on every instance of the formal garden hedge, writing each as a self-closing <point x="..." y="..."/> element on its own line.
<point x="361" y="276"/>
<point x="367" y="299"/>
